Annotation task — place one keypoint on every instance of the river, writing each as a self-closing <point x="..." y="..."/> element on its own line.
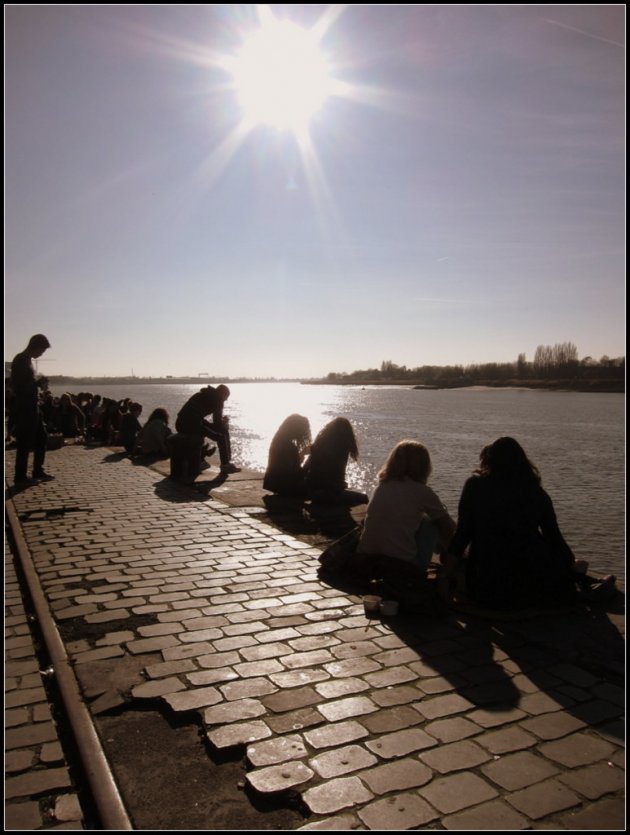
<point x="577" y="440"/>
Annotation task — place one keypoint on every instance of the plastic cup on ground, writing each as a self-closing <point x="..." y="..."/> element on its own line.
<point x="371" y="604"/>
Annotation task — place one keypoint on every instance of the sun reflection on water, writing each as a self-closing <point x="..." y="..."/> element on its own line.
<point x="561" y="432"/>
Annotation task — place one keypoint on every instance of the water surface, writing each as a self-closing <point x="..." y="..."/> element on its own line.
<point x="576" y="439"/>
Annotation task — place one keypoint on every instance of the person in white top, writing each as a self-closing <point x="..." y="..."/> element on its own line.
<point x="405" y="519"/>
<point x="155" y="433"/>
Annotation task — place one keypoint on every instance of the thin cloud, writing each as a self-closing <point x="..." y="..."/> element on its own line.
<point x="438" y="300"/>
<point x="582" y="32"/>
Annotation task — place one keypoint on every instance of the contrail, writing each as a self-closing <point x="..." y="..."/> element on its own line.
<point x="582" y="32"/>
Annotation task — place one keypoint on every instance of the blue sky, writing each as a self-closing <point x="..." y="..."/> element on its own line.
<point x="462" y="200"/>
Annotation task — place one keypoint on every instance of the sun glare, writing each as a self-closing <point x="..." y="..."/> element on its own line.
<point x="280" y="76"/>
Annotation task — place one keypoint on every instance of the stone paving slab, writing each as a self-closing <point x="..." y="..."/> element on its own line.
<point x="449" y="722"/>
<point x="38" y="790"/>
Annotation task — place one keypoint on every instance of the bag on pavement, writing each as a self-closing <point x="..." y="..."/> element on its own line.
<point x="336" y="558"/>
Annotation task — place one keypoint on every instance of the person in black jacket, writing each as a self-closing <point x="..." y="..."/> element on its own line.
<point x="130" y="427"/>
<point x="191" y="421"/>
<point x="30" y="432"/>
<point x="516" y="556"/>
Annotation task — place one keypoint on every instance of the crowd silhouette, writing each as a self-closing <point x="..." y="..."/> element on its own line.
<point x="505" y="551"/>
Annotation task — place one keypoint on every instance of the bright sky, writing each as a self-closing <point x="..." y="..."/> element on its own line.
<point x="290" y="190"/>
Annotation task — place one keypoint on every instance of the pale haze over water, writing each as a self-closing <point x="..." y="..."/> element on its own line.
<point x="577" y="440"/>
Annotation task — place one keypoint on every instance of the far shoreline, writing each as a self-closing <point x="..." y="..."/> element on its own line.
<point x="582" y="386"/>
<point x="592" y="386"/>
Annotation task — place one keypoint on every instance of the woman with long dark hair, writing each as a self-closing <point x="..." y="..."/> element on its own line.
<point x="516" y="556"/>
<point x="284" y="474"/>
<point x="325" y="470"/>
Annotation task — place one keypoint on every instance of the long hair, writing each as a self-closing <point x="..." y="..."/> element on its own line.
<point x="338" y="435"/>
<point x="295" y="428"/>
<point x="408" y="459"/>
<point x="506" y="459"/>
<point x="159" y="414"/>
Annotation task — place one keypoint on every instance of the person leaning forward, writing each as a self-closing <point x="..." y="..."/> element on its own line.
<point x="30" y="431"/>
<point x="191" y="421"/>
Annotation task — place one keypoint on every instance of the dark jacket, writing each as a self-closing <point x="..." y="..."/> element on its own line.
<point x="25" y="406"/>
<point x="23" y="382"/>
<point x="190" y="419"/>
<point x="325" y="468"/>
<point x="284" y="474"/>
<point x="517" y="556"/>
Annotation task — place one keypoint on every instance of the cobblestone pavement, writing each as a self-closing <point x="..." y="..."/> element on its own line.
<point x="38" y="788"/>
<point x="401" y="723"/>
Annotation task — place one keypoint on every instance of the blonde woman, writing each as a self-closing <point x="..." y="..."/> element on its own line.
<point x="405" y="519"/>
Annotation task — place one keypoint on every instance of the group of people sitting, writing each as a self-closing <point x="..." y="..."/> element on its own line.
<point x="298" y="466"/>
<point x="101" y="420"/>
<point x="506" y="542"/>
<point x="86" y="416"/>
<point x="505" y="551"/>
<point x="96" y="419"/>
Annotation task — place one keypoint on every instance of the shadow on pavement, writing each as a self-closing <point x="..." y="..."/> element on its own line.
<point x="179" y="492"/>
<point x="315" y="523"/>
<point x="147" y="460"/>
<point x="499" y="662"/>
<point x="114" y="457"/>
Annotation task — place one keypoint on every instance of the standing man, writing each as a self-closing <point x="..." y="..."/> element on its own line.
<point x="30" y="432"/>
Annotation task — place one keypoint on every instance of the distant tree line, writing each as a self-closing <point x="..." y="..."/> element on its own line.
<point x="558" y="363"/>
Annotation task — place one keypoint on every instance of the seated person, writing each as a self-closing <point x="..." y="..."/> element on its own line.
<point x="154" y="434"/>
<point x="405" y="519"/>
<point x="507" y="528"/>
<point x="130" y="427"/>
<point x="325" y="469"/>
<point x="95" y="417"/>
<point x="48" y="406"/>
<point x="67" y="418"/>
<point x="106" y="430"/>
<point x="191" y="421"/>
<point x="284" y="475"/>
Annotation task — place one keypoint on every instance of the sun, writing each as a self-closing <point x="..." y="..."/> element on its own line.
<point x="280" y="75"/>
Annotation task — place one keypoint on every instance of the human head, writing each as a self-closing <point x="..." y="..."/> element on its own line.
<point x="482" y="469"/>
<point x="37" y="344"/>
<point x="135" y="408"/>
<point x="295" y="428"/>
<point x="339" y="435"/>
<point x="408" y="459"/>
<point x="159" y="414"/>
<point x="506" y="459"/>
<point x="223" y="392"/>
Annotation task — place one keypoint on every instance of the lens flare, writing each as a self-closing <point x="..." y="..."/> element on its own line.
<point x="281" y="77"/>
